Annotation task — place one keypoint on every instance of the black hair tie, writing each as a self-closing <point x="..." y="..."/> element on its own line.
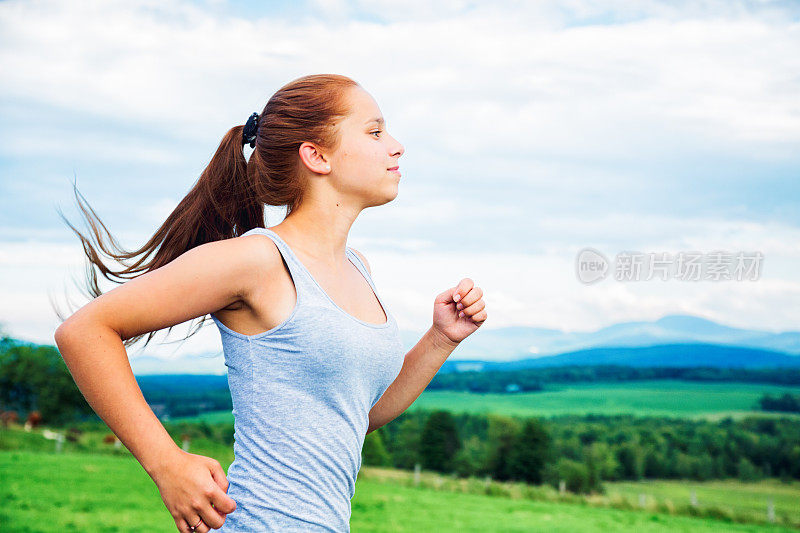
<point x="250" y="130"/>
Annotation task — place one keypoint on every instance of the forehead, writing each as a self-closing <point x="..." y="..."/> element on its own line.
<point x="364" y="109"/>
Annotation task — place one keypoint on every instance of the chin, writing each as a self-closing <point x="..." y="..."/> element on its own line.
<point x="385" y="199"/>
<point x="395" y="191"/>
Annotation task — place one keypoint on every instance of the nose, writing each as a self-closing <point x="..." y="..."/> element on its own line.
<point x="399" y="149"/>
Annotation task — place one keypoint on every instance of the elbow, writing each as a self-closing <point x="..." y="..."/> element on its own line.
<point x="373" y="425"/>
<point x="62" y="333"/>
<point x="66" y="332"/>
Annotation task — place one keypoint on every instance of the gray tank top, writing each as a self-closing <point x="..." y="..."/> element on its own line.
<point x="302" y="392"/>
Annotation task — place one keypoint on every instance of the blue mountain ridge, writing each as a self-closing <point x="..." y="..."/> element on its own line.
<point x="664" y="355"/>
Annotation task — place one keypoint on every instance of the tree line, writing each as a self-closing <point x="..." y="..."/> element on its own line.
<point x="535" y="379"/>
<point x="586" y="450"/>
<point x="787" y="403"/>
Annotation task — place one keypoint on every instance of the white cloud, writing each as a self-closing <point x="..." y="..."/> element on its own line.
<point x="483" y="81"/>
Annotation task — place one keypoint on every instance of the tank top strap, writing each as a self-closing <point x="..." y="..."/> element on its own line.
<point x="361" y="266"/>
<point x="302" y="279"/>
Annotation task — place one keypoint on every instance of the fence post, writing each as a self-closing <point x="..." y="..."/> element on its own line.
<point x="562" y="487"/>
<point x="642" y="500"/>
<point x="693" y="498"/>
<point x="416" y="474"/>
<point x="770" y="510"/>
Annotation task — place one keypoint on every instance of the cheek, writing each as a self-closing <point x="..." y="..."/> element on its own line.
<point x="360" y="158"/>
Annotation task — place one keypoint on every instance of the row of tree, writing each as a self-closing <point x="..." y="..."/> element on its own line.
<point x="787" y="403"/>
<point x="535" y="379"/>
<point x="585" y="450"/>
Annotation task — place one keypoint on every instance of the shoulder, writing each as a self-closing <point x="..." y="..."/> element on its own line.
<point x="258" y="258"/>
<point x="258" y="249"/>
<point x="363" y="259"/>
<point x="240" y="256"/>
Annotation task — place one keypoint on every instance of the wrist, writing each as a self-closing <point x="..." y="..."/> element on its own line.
<point x="441" y="340"/>
<point x="158" y="461"/>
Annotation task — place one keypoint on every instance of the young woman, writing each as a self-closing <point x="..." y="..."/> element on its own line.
<point x="314" y="357"/>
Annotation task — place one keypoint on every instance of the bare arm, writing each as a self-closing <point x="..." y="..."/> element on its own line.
<point x="98" y="362"/>
<point x="200" y="281"/>
<point x="421" y="364"/>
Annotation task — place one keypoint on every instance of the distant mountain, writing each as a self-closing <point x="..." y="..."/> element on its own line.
<point x="665" y="355"/>
<point x="515" y="343"/>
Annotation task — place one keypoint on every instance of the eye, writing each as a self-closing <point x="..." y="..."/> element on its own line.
<point x="376" y="131"/>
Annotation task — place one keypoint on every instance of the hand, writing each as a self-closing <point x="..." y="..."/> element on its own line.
<point x="194" y="487"/>
<point x="459" y="311"/>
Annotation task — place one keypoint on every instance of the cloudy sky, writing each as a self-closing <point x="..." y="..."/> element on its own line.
<point x="532" y="130"/>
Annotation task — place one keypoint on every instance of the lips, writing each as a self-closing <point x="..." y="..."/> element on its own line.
<point x="394" y="168"/>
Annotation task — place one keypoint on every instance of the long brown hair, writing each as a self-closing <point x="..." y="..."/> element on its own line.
<point x="230" y="195"/>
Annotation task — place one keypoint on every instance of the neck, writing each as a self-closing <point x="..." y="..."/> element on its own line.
<point x="319" y="230"/>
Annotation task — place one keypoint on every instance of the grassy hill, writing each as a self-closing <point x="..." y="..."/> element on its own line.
<point x="113" y="493"/>
<point x="646" y="398"/>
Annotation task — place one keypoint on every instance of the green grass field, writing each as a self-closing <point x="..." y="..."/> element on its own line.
<point x="90" y="492"/>
<point x="92" y="486"/>
<point x="746" y="498"/>
<point x="680" y="399"/>
<point x="647" y="398"/>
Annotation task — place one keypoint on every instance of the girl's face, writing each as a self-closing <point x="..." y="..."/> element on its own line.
<point x="361" y="165"/>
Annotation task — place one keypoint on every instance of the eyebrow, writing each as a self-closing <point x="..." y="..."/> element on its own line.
<point x="379" y="120"/>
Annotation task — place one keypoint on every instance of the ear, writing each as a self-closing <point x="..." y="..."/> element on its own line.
<point x="313" y="159"/>
<point x="363" y="260"/>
